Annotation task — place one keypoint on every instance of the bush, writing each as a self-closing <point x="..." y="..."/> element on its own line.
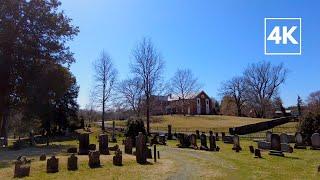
<point x="134" y="126"/>
<point x="309" y="124"/>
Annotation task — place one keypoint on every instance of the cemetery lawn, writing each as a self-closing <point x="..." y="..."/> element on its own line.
<point x="182" y="123"/>
<point x="175" y="163"/>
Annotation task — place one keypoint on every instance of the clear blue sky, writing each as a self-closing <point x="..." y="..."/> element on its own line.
<point x="215" y="39"/>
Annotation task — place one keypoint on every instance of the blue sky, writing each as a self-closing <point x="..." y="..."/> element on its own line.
<point x="215" y="39"/>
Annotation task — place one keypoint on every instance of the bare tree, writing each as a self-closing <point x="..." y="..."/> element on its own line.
<point x="262" y="81"/>
<point x="184" y="85"/>
<point x="105" y="79"/>
<point x="148" y="66"/>
<point x="131" y="93"/>
<point x="235" y="88"/>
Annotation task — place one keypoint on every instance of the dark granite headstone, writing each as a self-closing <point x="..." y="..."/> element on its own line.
<point x="22" y="167"/>
<point x="72" y="163"/>
<point x="198" y="134"/>
<point x="94" y="159"/>
<point x="203" y="140"/>
<point x="169" y="132"/>
<point x="275" y="145"/>
<point x="212" y="143"/>
<point x="141" y="149"/>
<point x="128" y="145"/>
<point x="251" y="149"/>
<point x="117" y="158"/>
<point x="217" y="136"/>
<point x="103" y="144"/>
<point x="43" y="157"/>
<point x="193" y="141"/>
<point x="83" y="143"/>
<point x="257" y="153"/>
<point x="52" y="165"/>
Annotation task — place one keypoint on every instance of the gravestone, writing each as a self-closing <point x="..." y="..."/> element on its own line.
<point x="212" y="143"/>
<point x="22" y="167"/>
<point x="149" y="153"/>
<point x="228" y="139"/>
<point x="128" y="145"/>
<point x="275" y="145"/>
<point x="236" y="143"/>
<point x="72" y="150"/>
<point x="117" y="158"/>
<point x="203" y="140"/>
<point x="141" y="149"/>
<point x="162" y="139"/>
<point x="264" y="145"/>
<point x="43" y="157"/>
<point x="299" y="141"/>
<point x="94" y="159"/>
<point x="92" y="147"/>
<point x="257" y="153"/>
<point x="210" y="132"/>
<point x="251" y="149"/>
<point x="217" y="136"/>
<point x="223" y="134"/>
<point x="268" y="136"/>
<point x="184" y="140"/>
<point x="198" y="134"/>
<point x="284" y="138"/>
<point x="83" y="143"/>
<point x="315" y="141"/>
<point x="72" y="163"/>
<point x="103" y="144"/>
<point x="169" y="132"/>
<point x="193" y="141"/>
<point x="52" y="165"/>
<point x="285" y="147"/>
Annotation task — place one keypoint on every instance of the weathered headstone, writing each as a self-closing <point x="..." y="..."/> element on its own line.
<point x="251" y="149"/>
<point x="193" y="141"/>
<point x="217" y="136"/>
<point x="257" y="153"/>
<point x="162" y="139"/>
<point x="94" y="159"/>
<point x="198" y="134"/>
<point x="284" y="138"/>
<point x="117" y="158"/>
<point x="169" y="132"/>
<point x="275" y="145"/>
<point x="236" y="143"/>
<point x="184" y="140"/>
<point x="128" y="145"/>
<point x="52" y="165"/>
<point x="83" y="143"/>
<point x="315" y="141"/>
<point x="22" y="167"/>
<point x="299" y="141"/>
<point x="264" y="145"/>
<point x="203" y="140"/>
<point x="103" y="144"/>
<point x="268" y="136"/>
<point x="72" y="162"/>
<point x="43" y="157"/>
<point x="141" y="149"/>
<point x="212" y="143"/>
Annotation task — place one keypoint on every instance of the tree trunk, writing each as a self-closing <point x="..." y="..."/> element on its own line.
<point x="148" y="115"/>
<point x="103" y="106"/>
<point x="4" y="125"/>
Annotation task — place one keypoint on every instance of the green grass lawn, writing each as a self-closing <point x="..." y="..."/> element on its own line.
<point x="182" y="123"/>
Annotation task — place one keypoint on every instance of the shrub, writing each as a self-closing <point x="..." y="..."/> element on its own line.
<point x="309" y="124"/>
<point x="134" y="126"/>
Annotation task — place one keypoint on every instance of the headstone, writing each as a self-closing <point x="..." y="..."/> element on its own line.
<point x="149" y="153"/>
<point x="284" y="138"/>
<point x="92" y="147"/>
<point x="52" y="165"/>
<point x="264" y="145"/>
<point x="210" y="132"/>
<point x="275" y="145"/>
<point x="299" y="141"/>
<point x="257" y="153"/>
<point x="94" y="159"/>
<point x="103" y="144"/>
<point x="22" y="167"/>
<point x="285" y="147"/>
<point x="228" y="139"/>
<point x="236" y="143"/>
<point x="212" y="143"/>
<point x="117" y="158"/>
<point x="223" y="134"/>
<point x="128" y="145"/>
<point x="72" y="163"/>
<point x="203" y="140"/>
<point x="169" y="132"/>
<point x="43" y="157"/>
<point x="155" y="153"/>
<point x="83" y="143"/>
<point x="198" y="134"/>
<point x="162" y="139"/>
<point x="217" y="136"/>
<point x="268" y="136"/>
<point x="141" y="149"/>
<point x="184" y="140"/>
<point x="315" y="141"/>
<point x="193" y="141"/>
<point x="72" y="150"/>
<point x="251" y="149"/>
